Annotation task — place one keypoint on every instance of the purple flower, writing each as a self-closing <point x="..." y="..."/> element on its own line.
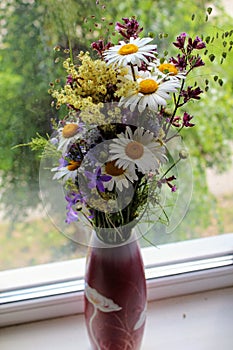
<point x="97" y="179"/>
<point x="71" y="215"/>
<point x="173" y="188"/>
<point x="168" y="180"/>
<point x="176" y="121"/>
<point x="63" y="162"/>
<point x="100" y="47"/>
<point x="191" y="93"/>
<point x="196" y="61"/>
<point x="186" y="120"/>
<point x="92" y="214"/>
<point x="72" y="199"/>
<point x="197" y="44"/>
<point x="180" y="62"/>
<point x="69" y="79"/>
<point x="129" y="29"/>
<point x="180" y="41"/>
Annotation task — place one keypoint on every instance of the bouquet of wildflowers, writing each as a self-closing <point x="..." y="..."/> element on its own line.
<point x="123" y="108"/>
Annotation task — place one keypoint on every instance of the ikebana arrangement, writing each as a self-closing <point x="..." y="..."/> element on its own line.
<point x="124" y="105"/>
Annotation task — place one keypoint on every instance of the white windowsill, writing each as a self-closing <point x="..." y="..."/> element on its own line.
<point x="56" y="290"/>
<point x="201" y="321"/>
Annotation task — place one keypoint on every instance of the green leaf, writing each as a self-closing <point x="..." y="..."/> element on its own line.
<point x="212" y="57"/>
<point x="224" y="54"/>
<point x="220" y="81"/>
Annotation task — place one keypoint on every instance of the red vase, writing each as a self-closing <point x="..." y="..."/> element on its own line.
<point x="115" y="297"/>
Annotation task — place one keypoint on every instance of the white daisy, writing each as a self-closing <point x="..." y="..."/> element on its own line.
<point x="68" y="134"/>
<point x="68" y="171"/>
<point x="137" y="150"/>
<point x="166" y="70"/>
<point x="134" y="52"/>
<point x="120" y="177"/>
<point x="151" y="92"/>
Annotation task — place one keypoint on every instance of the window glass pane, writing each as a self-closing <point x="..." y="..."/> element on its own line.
<point x="29" y="32"/>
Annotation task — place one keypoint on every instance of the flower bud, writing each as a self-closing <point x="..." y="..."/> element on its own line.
<point x="183" y="154"/>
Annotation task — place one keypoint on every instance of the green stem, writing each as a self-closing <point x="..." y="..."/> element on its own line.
<point x="71" y="50"/>
<point x="133" y="72"/>
<point x="177" y="105"/>
<point x="170" y="168"/>
<point x="175" y="135"/>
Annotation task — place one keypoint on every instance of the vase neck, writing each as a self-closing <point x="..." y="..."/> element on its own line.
<point x="112" y="238"/>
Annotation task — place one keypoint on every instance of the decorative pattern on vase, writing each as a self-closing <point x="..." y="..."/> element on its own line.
<point x="115" y="298"/>
<point x="100" y="303"/>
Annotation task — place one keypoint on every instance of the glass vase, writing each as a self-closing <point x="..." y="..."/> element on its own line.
<point x="115" y="296"/>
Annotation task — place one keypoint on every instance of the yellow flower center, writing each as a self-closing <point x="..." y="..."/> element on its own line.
<point x="168" y="68"/>
<point x="69" y="130"/>
<point x="127" y="49"/>
<point x="112" y="169"/>
<point x="134" y="150"/>
<point x="148" y="86"/>
<point x="73" y="165"/>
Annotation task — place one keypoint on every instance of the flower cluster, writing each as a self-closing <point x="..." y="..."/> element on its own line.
<point x="121" y="109"/>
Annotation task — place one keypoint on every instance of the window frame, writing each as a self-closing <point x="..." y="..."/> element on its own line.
<point x="171" y="270"/>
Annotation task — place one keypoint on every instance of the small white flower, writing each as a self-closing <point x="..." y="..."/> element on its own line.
<point x="151" y="93"/>
<point x="120" y="177"/>
<point x="166" y="70"/>
<point x="134" y="52"/>
<point x="66" y="172"/>
<point x="68" y="134"/>
<point x="137" y="150"/>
